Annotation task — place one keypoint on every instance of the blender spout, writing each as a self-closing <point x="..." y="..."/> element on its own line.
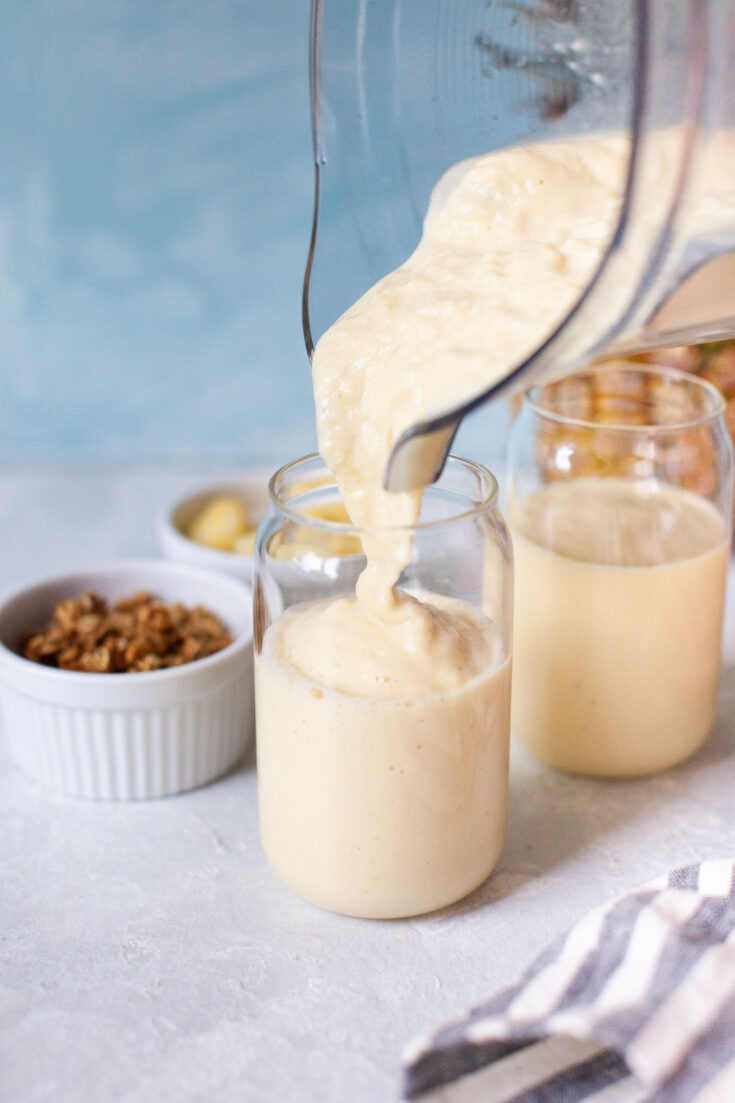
<point x="418" y="456"/>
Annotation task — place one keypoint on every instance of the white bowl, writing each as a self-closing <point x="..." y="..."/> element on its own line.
<point x="176" y="517"/>
<point x="128" y="736"/>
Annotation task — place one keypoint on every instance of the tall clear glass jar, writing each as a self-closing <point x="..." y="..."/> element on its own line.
<point x="620" y="505"/>
<point x="382" y="746"/>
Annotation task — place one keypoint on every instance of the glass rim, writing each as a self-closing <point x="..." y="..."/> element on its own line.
<point x="488" y="483"/>
<point x="531" y="400"/>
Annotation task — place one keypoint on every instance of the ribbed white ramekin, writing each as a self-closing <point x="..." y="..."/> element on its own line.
<point x="128" y="736"/>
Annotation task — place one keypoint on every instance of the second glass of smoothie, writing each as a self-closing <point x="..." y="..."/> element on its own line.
<point x="383" y="737"/>
<point x="621" y="500"/>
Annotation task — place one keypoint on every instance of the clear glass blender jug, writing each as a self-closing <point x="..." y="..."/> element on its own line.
<point x="404" y="89"/>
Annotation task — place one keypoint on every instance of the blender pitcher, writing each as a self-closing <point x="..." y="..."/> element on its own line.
<point x="401" y="90"/>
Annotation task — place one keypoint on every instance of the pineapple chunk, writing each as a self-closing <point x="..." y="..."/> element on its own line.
<point x="220" y="523"/>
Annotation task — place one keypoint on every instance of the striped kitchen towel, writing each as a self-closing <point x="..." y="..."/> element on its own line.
<point x="635" y="1002"/>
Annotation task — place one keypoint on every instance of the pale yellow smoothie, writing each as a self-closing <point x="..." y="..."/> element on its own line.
<point x="618" y="617"/>
<point x="371" y="804"/>
<point x="382" y="753"/>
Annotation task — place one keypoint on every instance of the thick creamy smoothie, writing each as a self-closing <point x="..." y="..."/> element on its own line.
<point x="618" y="618"/>
<point x="503" y="257"/>
<point x="382" y="753"/>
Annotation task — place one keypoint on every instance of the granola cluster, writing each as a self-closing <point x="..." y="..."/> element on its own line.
<point x="137" y="634"/>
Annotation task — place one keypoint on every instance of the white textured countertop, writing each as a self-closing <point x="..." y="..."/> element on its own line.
<point x="149" y="954"/>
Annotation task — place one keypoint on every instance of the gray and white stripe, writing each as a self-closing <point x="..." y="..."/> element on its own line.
<point x="636" y="1001"/>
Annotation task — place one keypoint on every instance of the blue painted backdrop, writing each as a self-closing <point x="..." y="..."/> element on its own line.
<point x="155" y="209"/>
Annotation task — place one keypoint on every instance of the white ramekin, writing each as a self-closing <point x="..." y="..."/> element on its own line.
<point x="128" y="736"/>
<point x="174" y="519"/>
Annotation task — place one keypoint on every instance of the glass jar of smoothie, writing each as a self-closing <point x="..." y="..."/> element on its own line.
<point x="620" y="504"/>
<point x="382" y="733"/>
